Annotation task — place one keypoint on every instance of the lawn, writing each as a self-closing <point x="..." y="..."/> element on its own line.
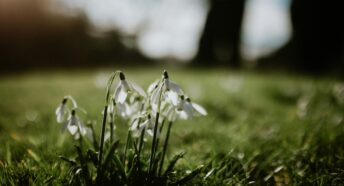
<point x="261" y="128"/>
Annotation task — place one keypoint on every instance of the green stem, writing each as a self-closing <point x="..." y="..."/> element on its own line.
<point x="158" y="137"/>
<point x="102" y="141"/>
<point x="141" y="142"/>
<point x="126" y="147"/>
<point x="152" y="156"/>
<point x="111" y="128"/>
<point x="165" y="146"/>
<point x="101" y="146"/>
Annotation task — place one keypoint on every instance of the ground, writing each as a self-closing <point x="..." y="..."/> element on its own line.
<point x="261" y="128"/>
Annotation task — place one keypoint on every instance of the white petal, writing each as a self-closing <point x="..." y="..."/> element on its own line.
<point x="72" y="129"/>
<point x="152" y="87"/>
<point x="199" y="109"/>
<point x="183" y="115"/>
<point x="89" y="134"/>
<point x="77" y="136"/>
<point x="136" y="133"/>
<point x="138" y="89"/>
<point x="174" y="87"/>
<point x="107" y="136"/>
<point x="60" y="118"/>
<point x="171" y="115"/>
<point x="82" y="128"/>
<point x="173" y="97"/>
<point x="155" y="95"/>
<point x="145" y="123"/>
<point x="122" y="96"/>
<point x="150" y="132"/>
<point x="123" y="110"/>
<point x="117" y="90"/>
<point x="134" y="124"/>
<point x="125" y="85"/>
<point x="134" y="108"/>
<point x="188" y="109"/>
<point x="110" y="109"/>
<point x="60" y="111"/>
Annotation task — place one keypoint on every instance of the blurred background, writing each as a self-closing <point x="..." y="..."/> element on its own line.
<point x="297" y="35"/>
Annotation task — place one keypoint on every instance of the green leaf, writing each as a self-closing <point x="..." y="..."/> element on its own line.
<point x="173" y="163"/>
<point x="93" y="156"/>
<point x="156" y="162"/>
<point x="120" y="167"/>
<point x="110" y="153"/>
<point x="135" y="165"/>
<point x="188" y="177"/>
<point x="94" y="137"/>
<point x="84" y="167"/>
<point x="72" y="162"/>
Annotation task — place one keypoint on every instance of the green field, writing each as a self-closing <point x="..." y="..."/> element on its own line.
<point x="261" y="129"/>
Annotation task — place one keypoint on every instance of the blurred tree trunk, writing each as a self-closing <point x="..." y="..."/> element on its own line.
<point x="318" y="33"/>
<point x="317" y="44"/>
<point x="220" y="40"/>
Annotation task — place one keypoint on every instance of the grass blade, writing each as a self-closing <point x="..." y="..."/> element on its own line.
<point x="72" y="162"/>
<point x="110" y="153"/>
<point x="173" y="163"/>
<point x="120" y="167"/>
<point x="84" y="166"/>
<point x="188" y="177"/>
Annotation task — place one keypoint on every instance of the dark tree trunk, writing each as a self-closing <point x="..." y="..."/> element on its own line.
<point x="317" y="44"/>
<point x="220" y="41"/>
<point x="318" y="33"/>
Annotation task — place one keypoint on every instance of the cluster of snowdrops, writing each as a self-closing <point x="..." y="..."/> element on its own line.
<point x="150" y="116"/>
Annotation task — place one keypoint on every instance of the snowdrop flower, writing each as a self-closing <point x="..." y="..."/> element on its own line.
<point x="140" y="123"/>
<point x="60" y="111"/>
<point x="171" y="85"/>
<point x="167" y="89"/>
<point x="62" y="108"/>
<point x="123" y="110"/>
<point x="153" y="86"/>
<point x="184" y="109"/>
<point x="124" y="88"/>
<point x="75" y="125"/>
<point x="126" y="109"/>
<point x="197" y="108"/>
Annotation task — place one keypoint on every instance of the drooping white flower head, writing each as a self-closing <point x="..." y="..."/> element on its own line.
<point x="61" y="111"/>
<point x="166" y="90"/>
<point x="142" y="122"/>
<point x="75" y="126"/>
<point x="197" y="108"/>
<point x="124" y="88"/>
<point x="171" y="85"/>
<point x="183" y="108"/>
<point x="126" y="109"/>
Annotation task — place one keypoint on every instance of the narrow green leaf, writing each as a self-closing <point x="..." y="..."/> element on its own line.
<point x="92" y="155"/>
<point x="188" y="177"/>
<point x="72" y="162"/>
<point x="94" y="137"/>
<point x="110" y="153"/>
<point x="120" y="167"/>
<point x="156" y="162"/>
<point x="135" y="166"/>
<point x="84" y="167"/>
<point x="173" y="163"/>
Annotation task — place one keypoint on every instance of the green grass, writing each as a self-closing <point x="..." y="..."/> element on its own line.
<point x="262" y="129"/>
